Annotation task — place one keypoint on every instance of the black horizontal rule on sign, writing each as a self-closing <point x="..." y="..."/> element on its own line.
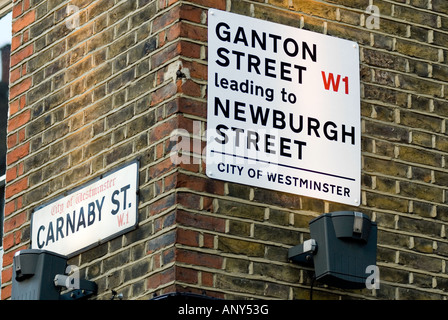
<point x="283" y="165"/>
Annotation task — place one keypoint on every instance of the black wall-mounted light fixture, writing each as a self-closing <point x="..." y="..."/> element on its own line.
<point x="41" y="275"/>
<point x="342" y="248"/>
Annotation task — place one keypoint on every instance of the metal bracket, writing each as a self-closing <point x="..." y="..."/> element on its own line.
<point x="357" y="222"/>
<point x="303" y="253"/>
<point x="82" y="289"/>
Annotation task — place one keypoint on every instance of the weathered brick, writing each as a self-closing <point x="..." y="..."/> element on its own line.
<point x="409" y="15"/>
<point x="15" y="188"/>
<point x="237" y="246"/>
<point x="384" y="59"/>
<point x="387" y="95"/>
<point x="421" y="226"/>
<point x="237" y="265"/>
<point x="387" y="202"/>
<point x="239" y="228"/>
<point x="42" y="25"/>
<point x="288" y="274"/>
<point x="19" y="120"/>
<point x="241" y="285"/>
<point x="24" y="21"/>
<point x="386" y="131"/>
<point x="424" y="246"/>
<point x="116" y="260"/>
<point x="121" y="44"/>
<point x="120" y="152"/>
<point x="199" y="258"/>
<point x="17" y="153"/>
<point x="420" y="156"/>
<point x="408" y="82"/>
<point x="386" y="185"/>
<point x="187" y="275"/>
<point x="166" y="54"/>
<point x="392" y="238"/>
<point x="121" y="80"/>
<point x="418" y="261"/>
<point x="200" y="184"/>
<point x="440" y="6"/>
<point x="203" y="221"/>
<point x="420" y="191"/>
<point x="118" y="12"/>
<point x="187" y="237"/>
<point x="22" y="54"/>
<point x="236" y="209"/>
<point x="85" y="100"/>
<point x="17" y="10"/>
<point x="414" y="49"/>
<point x="238" y="190"/>
<point x="276" y="198"/>
<point x="142" y="86"/>
<point x="283" y="236"/>
<point x="422" y="139"/>
<point x="75" y="174"/>
<point x="20" y="88"/>
<point x="141" y="17"/>
<point x="394" y="275"/>
<point x="161" y="241"/>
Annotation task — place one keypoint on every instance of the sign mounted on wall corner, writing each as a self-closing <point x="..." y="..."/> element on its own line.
<point x="283" y="108"/>
<point x="97" y="211"/>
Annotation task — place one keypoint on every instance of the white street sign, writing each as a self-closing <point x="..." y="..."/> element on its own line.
<point x="283" y="108"/>
<point x="94" y="213"/>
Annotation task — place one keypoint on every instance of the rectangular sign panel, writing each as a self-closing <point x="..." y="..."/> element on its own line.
<point x="283" y="108"/>
<point x="96" y="212"/>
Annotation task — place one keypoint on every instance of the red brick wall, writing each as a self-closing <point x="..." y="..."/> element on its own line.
<point x="83" y="101"/>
